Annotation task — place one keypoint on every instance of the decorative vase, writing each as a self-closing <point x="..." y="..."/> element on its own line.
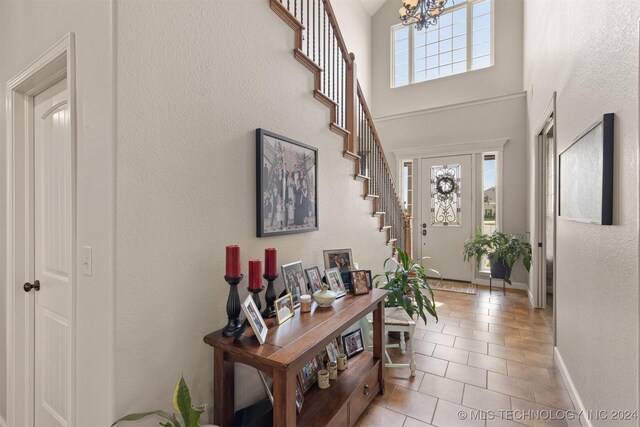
<point x="324" y="297"/>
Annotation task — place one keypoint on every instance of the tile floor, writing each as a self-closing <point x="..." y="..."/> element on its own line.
<point x="487" y="353"/>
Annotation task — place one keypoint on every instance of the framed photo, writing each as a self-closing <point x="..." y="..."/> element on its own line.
<point x="315" y="280"/>
<point x="586" y="175"/>
<point x="338" y="258"/>
<point x="255" y="320"/>
<point x="369" y="279"/>
<point x="360" y="282"/>
<point x="309" y="374"/>
<point x="334" y="280"/>
<point x="294" y="281"/>
<point x="299" y="397"/>
<point x="352" y="343"/>
<point x="333" y="351"/>
<point x="287" y="185"/>
<point x="284" y="308"/>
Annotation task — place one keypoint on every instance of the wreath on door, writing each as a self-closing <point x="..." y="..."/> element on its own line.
<point x="446" y="185"/>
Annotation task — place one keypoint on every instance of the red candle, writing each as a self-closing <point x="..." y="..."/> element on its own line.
<point x="255" y="274"/>
<point x="233" y="261"/>
<point x="270" y="261"/>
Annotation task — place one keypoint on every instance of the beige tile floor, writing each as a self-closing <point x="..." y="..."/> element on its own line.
<point x="489" y="353"/>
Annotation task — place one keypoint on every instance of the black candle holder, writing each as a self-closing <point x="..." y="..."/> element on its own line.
<point x="233" y="306"/>
<point x="270" y="297"/>
<point x="256" y="296"/>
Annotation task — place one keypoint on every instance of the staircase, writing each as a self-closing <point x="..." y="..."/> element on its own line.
<point x="320" y="47"/>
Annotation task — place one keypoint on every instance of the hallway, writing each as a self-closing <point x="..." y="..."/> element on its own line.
<point x="488" y="353"/>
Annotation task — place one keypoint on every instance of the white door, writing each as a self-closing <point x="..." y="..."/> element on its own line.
<point x="53" y="222"/>
<point x="446" y="214"/>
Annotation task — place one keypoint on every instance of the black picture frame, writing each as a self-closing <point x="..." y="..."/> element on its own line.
<point x="286" y="185"/>
<point x="353" y="343"/>
<point x="585" y="178"/>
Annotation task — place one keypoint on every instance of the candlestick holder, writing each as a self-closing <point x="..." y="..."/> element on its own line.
<point x="233" y="306"/>
<point x="256" y="296"/>
<point x="270" y="297"/>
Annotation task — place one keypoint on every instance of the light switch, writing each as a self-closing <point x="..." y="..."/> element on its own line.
<point x="86" y="260"/>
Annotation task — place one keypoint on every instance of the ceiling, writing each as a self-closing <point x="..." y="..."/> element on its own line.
<point x="372" y="6"/>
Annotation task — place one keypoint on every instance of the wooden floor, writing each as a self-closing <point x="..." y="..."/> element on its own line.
<point x="487" y="353"/>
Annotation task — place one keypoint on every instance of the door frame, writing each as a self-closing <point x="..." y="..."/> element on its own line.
<point x="473" y="148"/>
<point x="55" y="64"/>
<point x="539" y="287"/>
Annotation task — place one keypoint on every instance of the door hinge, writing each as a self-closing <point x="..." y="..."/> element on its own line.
<point x="539" y="244"/>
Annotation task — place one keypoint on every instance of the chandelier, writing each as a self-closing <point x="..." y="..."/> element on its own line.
<point x="422" y="13"/>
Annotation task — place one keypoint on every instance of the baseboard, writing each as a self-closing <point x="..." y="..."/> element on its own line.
<point x="497" y="283"/>
<point x="573" y="392"/>
<point x="3" y="423"/>
<point x="531" y="300"/>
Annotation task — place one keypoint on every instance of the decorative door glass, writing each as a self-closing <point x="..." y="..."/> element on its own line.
<point x="445" y="195"/>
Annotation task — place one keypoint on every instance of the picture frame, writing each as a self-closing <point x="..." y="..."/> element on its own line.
<point x="353" y="343"/>
<point x="294" y="281"/>
<point x="299" y="397"/>
<point x="252" y="313"/>
<point x="360" y="282"/>
<point x="309" y="374"/>
<point x="314" y="278"/>
<point x="284" y="308"/>
<point x="369" y="279"/>
<point x="333" y="351"/>
<point x="585" y="179"/>
<point x="338" y="258"/>
<point x="286" y="185"/>
<point x="334" y="280"/>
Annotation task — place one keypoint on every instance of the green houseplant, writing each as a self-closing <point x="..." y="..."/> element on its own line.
<point x="181" y="402"/>
<point x="502" y="249"/>
<point x="404" y="284"/>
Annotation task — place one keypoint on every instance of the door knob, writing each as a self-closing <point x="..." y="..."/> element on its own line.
<point x="28" y="286"/>
<point x="424" y="225"/>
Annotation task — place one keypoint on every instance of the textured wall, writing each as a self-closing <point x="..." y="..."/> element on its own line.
<point x="193" y="85"/>
<point x="505" y="77"/>
<point x="21" y="44"/>
<point x="591" y="60"/>
<point x="487" y="121"/>
<point x="355" y="24"/>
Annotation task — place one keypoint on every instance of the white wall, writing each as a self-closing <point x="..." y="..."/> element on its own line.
<point x="505" y="77"/>
<point x="591" y="60"/>
<point x="190" y="96"/>
<point x="355" y="24"/>
<point x="27" y="30"/>
<point x="504" y="119"/>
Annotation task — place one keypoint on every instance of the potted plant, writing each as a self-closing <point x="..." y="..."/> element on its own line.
<point x="502" y="250"/>
<point x="182" y="403"/>
<point x="404" y="284"/>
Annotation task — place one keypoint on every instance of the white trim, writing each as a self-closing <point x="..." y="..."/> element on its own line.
<point x="454" y="149"/>
<point x="56" y="63"/>
<point x="455" y="106"/>
<point x="530" y="295"/>
<point x="571" y="388"/>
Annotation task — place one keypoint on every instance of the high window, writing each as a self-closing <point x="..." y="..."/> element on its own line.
<point x="461" y="41"/>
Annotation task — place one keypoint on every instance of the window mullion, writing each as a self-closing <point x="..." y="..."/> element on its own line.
<point x="411" y="47"/>
<point x="469" y="36"/>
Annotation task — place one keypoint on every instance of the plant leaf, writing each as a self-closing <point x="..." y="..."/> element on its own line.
<point x="173" y="421"/>
<point x="182" y="399"/>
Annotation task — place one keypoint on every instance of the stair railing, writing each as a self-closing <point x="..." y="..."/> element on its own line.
<point x="320" y="47"/>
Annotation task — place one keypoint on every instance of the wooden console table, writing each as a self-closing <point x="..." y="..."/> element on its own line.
<point x="289" y="347"/>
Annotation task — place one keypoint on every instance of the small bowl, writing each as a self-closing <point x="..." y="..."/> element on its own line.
<point x="324" y="297"/>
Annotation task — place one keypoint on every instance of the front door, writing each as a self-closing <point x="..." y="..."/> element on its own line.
<point x="53" y="231"/>
<point x="446" y="214"/>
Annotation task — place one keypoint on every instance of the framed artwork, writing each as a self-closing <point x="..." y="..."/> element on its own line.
<point x="284" y="308"/>
<point x="332" y="351"/>
<point x="294" y="281"/>
<point x="369" y="279"/>
<point x="286" y="185"/>
<point x="338" y="258"/>
<point x="360" y="282"/>
<point x="299" y="397"/>
<point x="315" y="280"/>
<point x="334" y="280"/>
<point x="255" y="320"/>
<point x="309" y="374"/>
<point x="353" y="343"/>
<point x="586" y="175"/>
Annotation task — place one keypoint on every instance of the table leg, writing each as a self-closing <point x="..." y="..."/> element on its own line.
<point x="378" y="341"/>
<point x="412" y="360"/>
<point x="223" y="391"/>
<point x="284" y="398"/>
